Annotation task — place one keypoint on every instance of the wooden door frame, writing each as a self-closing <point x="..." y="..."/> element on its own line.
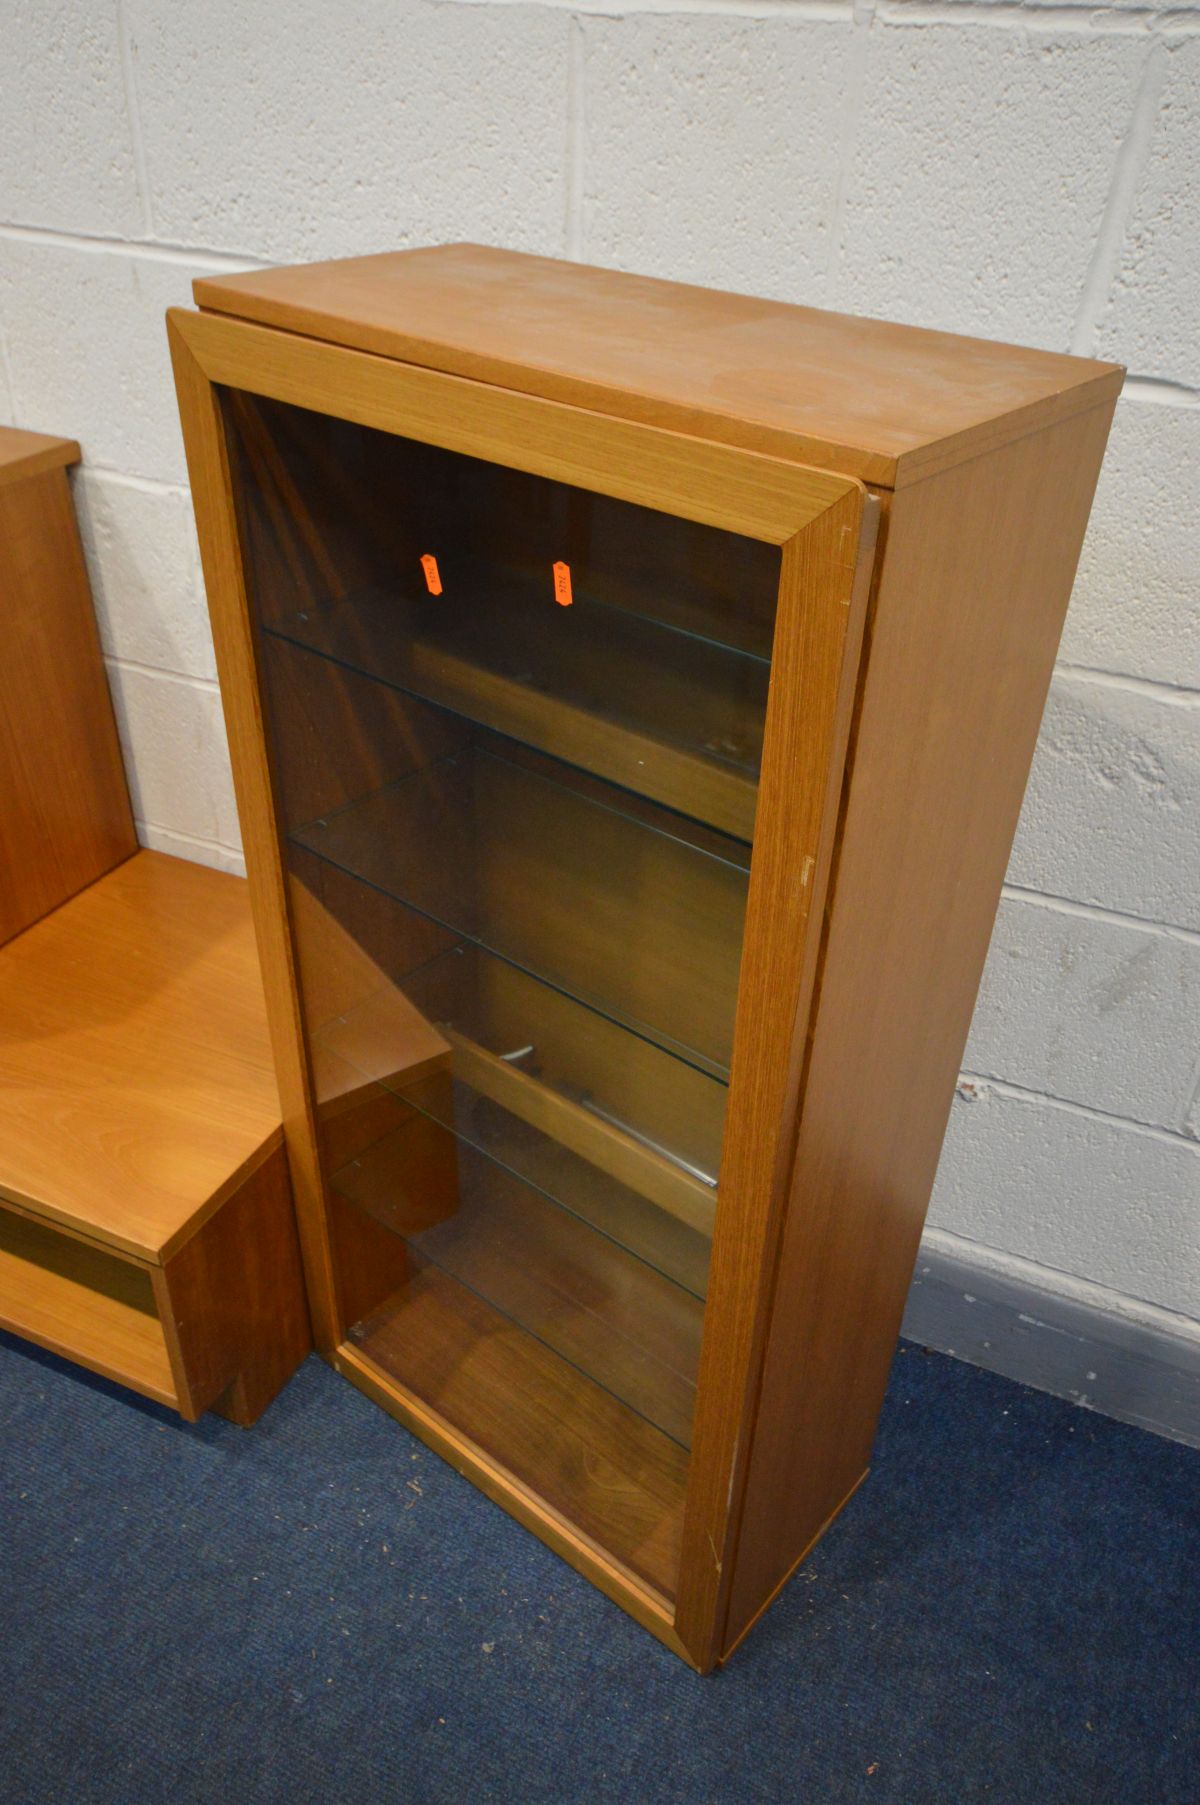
<point x="825" y="528"/>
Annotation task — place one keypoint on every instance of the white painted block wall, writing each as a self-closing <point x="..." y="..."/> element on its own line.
<point x="1018" y="170"/>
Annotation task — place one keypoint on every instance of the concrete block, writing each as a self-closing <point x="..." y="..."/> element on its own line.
<point x="308" y="131"/>
<point x="66" y="141"/>
<point x="981" y="167"/>
<point x="145" y="569"/>
<point x="1092" y="1011"/>
<point x="176" y="754"/>
<point x="1152" y="321"/>
<point x="1112" y="813"/>
<point x="87" y="351"/>
<point x="712" y="148"/>
<point x="1088" y="1196"/>
<point x="1136" y="606"/>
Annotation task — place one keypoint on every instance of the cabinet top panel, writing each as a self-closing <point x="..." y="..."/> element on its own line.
<point x="887" y="403"/>
<point x="135" y="1064"/>
<point x="28" y="453"/>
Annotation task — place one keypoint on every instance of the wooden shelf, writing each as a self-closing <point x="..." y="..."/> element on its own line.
<point x="611" y="1474"/>
<point x="584" y="683"/>
<point x="597" y="1137"/>
<point x="83" y="1303"/>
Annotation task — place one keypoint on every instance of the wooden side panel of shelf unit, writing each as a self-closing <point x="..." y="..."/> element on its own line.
<point x="976" y="577"/>
<point x="64" y="808"/>
<point x="232" y="1301"/>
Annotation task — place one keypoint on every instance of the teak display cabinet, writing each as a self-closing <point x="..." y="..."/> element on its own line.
<point x="631" y="692"/>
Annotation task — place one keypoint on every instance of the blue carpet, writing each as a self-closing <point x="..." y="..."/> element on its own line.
<point x="320" y="1610"/>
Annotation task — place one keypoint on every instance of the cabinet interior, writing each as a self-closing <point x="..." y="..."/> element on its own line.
<point x="83" y="1301"/>
<point x="517" y="811"/>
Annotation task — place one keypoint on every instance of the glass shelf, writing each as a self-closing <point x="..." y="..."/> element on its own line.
<point x="627" y="915"/>
<point x="649" y="1120"/>
<point x="585" y="1297"/>
<point x="666" y="713"/>
<point x="670" y="1247"/>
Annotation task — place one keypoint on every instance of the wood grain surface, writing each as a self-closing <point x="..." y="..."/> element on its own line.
<point x="615" y="1477"/>
<point x="904" y="699"/>
<point x="232" y="1300"/>
<point x="84" y="1304"/>
<point x="64" y="807"/>
<point x="24" y="454"/>
<point x="134" y="1057"/>
<point x="739" y="491"/>
<point x="975" y="581"/>
<point x="883" y="402"/>
<point x="822" y="610"/>
<point x="224" y="577"/>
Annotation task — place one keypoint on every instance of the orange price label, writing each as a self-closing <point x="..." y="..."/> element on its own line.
<point x="562" y="585"/>
<point x="433" y="581"/>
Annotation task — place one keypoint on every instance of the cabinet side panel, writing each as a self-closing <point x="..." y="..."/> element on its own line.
<point x="64" y="808"/>
<point x="976" y="576"/>
<point x="232" y="1300"/>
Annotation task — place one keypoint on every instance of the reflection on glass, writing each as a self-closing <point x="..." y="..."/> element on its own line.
<point x="587" y="683"/>
<point x="563" y="882"/>
<point x="516" y="731"/>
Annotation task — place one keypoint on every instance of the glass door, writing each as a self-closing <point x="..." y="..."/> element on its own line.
<point x="515" y="729"/>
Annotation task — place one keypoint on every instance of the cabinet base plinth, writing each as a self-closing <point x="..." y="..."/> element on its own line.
<point x="647" y="1606"/>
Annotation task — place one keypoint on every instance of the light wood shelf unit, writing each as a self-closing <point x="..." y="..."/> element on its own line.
<point x="622" y="927"/>
<point x="146" y="1223"/>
